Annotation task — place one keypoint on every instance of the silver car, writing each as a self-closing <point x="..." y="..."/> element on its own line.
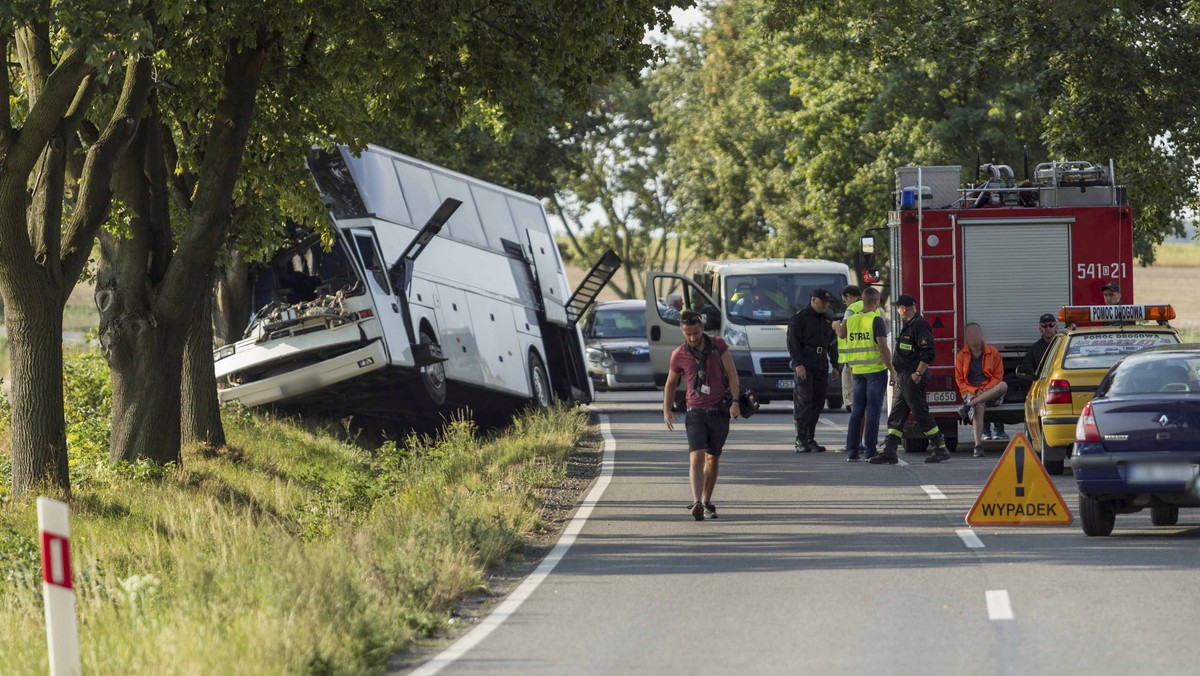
<point x="618" y="354"/>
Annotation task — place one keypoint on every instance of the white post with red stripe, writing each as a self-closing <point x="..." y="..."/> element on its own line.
<point x="58" y="593"/>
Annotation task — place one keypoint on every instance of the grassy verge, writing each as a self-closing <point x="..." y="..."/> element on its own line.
<point x="298" y="552"/>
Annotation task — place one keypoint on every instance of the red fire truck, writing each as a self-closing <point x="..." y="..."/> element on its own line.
<point x="1001" y="253"/>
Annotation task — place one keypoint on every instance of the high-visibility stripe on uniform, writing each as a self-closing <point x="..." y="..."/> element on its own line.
<point x="860" y="351"/>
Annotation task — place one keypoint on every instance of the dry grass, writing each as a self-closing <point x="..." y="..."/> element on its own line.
<point x="1177" y="255"/>
<point x="299" y="554"/>
<point x="1175" y="285"/>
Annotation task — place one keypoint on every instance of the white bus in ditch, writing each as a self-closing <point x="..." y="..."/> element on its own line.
<point x="438" y="290"/>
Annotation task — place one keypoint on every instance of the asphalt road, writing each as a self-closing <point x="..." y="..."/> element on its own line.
<point x="818" y="566"/>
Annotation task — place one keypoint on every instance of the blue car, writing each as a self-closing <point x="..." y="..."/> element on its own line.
<point x="1137" y="444"/>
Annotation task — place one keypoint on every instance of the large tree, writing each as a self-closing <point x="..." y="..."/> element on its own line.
<point x="783" y="139"/>
<point x="73" y="83"/>
<point x="1105" y="80"/>
<point x="159" y="103"/>
<point x="614" y="191"/>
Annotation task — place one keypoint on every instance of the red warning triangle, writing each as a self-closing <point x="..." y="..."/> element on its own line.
<point x="1019" y="492"/>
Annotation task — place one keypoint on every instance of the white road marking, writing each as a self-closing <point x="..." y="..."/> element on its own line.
<point x="998" y="605"/>
<point x="826" y="421"/>
<point x="903" y="463"/>
<point x="934" y="492"/>
<point x="969" y="538"/>
<point x="510" y="605"/>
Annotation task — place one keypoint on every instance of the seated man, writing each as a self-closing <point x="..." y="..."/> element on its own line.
<point x="673" y="308"/>
<point x="979" y="374"/>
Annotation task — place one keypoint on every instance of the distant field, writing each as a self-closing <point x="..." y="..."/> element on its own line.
<point x="1177" y="286"/>
<point x="1177" y="255"/>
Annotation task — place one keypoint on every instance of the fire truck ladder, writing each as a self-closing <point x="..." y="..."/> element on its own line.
<point x="942" y="233"/>
<point x="585" y="294"/>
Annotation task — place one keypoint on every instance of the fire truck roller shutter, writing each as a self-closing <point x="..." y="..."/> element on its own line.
<point x="1005" y="293"/>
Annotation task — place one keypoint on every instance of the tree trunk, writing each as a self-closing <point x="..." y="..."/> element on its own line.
<point x="231" y="306"/>
<point x="39" y="433"/>
<point x="201" y="412"/>
<point x="146" y="388"/>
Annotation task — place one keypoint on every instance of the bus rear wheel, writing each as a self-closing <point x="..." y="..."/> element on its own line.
<point x="539" y="382"/>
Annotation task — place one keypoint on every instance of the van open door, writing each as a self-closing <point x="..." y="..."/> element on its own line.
<point x="662" y="320"/>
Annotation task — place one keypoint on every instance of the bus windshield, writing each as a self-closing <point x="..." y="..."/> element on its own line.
<point x="773" y="298"/>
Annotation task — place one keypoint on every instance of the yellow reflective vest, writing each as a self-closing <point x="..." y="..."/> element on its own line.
<point x="860" y="351"/>
<point x="854" y="307"/>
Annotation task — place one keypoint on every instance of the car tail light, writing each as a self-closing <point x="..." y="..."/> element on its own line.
<point x="1059" y="392"/>
<point x="1085" y="429"/>
<point x="365" y="314"/>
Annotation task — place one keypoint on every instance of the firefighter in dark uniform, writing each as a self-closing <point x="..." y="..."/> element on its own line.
<point x="912" y="357"/>
<point x="813" y="347"/>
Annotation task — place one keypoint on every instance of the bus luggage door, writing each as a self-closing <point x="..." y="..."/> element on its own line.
<point x="549" y="278"/>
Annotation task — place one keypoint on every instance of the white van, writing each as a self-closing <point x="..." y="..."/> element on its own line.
<point x="754" y="300"/>
<point x="439" y="289"/>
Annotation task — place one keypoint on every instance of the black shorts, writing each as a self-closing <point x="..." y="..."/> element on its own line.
<point x="707" y="429"/>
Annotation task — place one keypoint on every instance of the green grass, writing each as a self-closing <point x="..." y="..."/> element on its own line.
<point x="1178" y="254"/>
<point x="298" y="552"/>
<point x="4" y="364"/>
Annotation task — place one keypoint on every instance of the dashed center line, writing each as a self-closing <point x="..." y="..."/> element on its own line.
<point x="999" y="606"/>
<point x="969" y="538"/>
<point x="934" y="492"/>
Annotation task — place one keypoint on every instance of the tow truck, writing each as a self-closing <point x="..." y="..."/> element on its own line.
<point x="1000" y="253"/>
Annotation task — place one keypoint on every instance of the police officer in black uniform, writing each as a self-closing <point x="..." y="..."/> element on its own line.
<point x="813" y="347"/>
<point x="912" y="357"/>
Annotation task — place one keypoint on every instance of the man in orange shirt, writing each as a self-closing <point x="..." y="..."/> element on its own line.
<point x="979" y="374"/>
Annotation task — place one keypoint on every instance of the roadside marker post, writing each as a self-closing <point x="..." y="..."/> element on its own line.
<point x="58" y="592"/>
<point x="1019" y="492"/>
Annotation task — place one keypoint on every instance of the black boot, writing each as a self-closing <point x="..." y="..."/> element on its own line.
<point x="937" y="450"/>
<point x="888" y="456"/>
<point x="801" y="439"/>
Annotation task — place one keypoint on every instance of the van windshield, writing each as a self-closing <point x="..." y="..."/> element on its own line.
<point x="773" y="298"/>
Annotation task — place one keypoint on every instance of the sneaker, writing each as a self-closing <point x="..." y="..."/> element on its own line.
<point x="999" y="434"/>
<point x="815" y="447"/>
<point x="710" y="510"/>
<point x="802" y="447"/>
<point x="964" y="414"/>
<point x="987" y="434"/>
<point x="979" y="451"/>
<point x="870" y="453"/>
<point x="852" y="456"/>
<point x="698" y="510"/>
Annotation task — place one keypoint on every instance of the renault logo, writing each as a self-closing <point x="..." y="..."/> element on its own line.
<point x="1163" y="420"/>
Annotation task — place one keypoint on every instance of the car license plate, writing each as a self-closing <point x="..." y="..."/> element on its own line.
<point x="1161" y="473"/>
<point x="941" y="397"/>
<point x="785" y="384"/>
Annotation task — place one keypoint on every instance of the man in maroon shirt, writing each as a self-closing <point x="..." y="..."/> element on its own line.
<point x="702" y="363"/>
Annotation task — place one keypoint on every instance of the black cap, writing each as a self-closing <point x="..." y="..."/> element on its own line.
<point x="1113" y="286"/>
<point x="906" y="300"/>
<point x="822" y="294"/>
<point x="1048" y="318"/>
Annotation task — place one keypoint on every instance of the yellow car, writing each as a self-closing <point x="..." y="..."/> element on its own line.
<point x="1075" y="363"/>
